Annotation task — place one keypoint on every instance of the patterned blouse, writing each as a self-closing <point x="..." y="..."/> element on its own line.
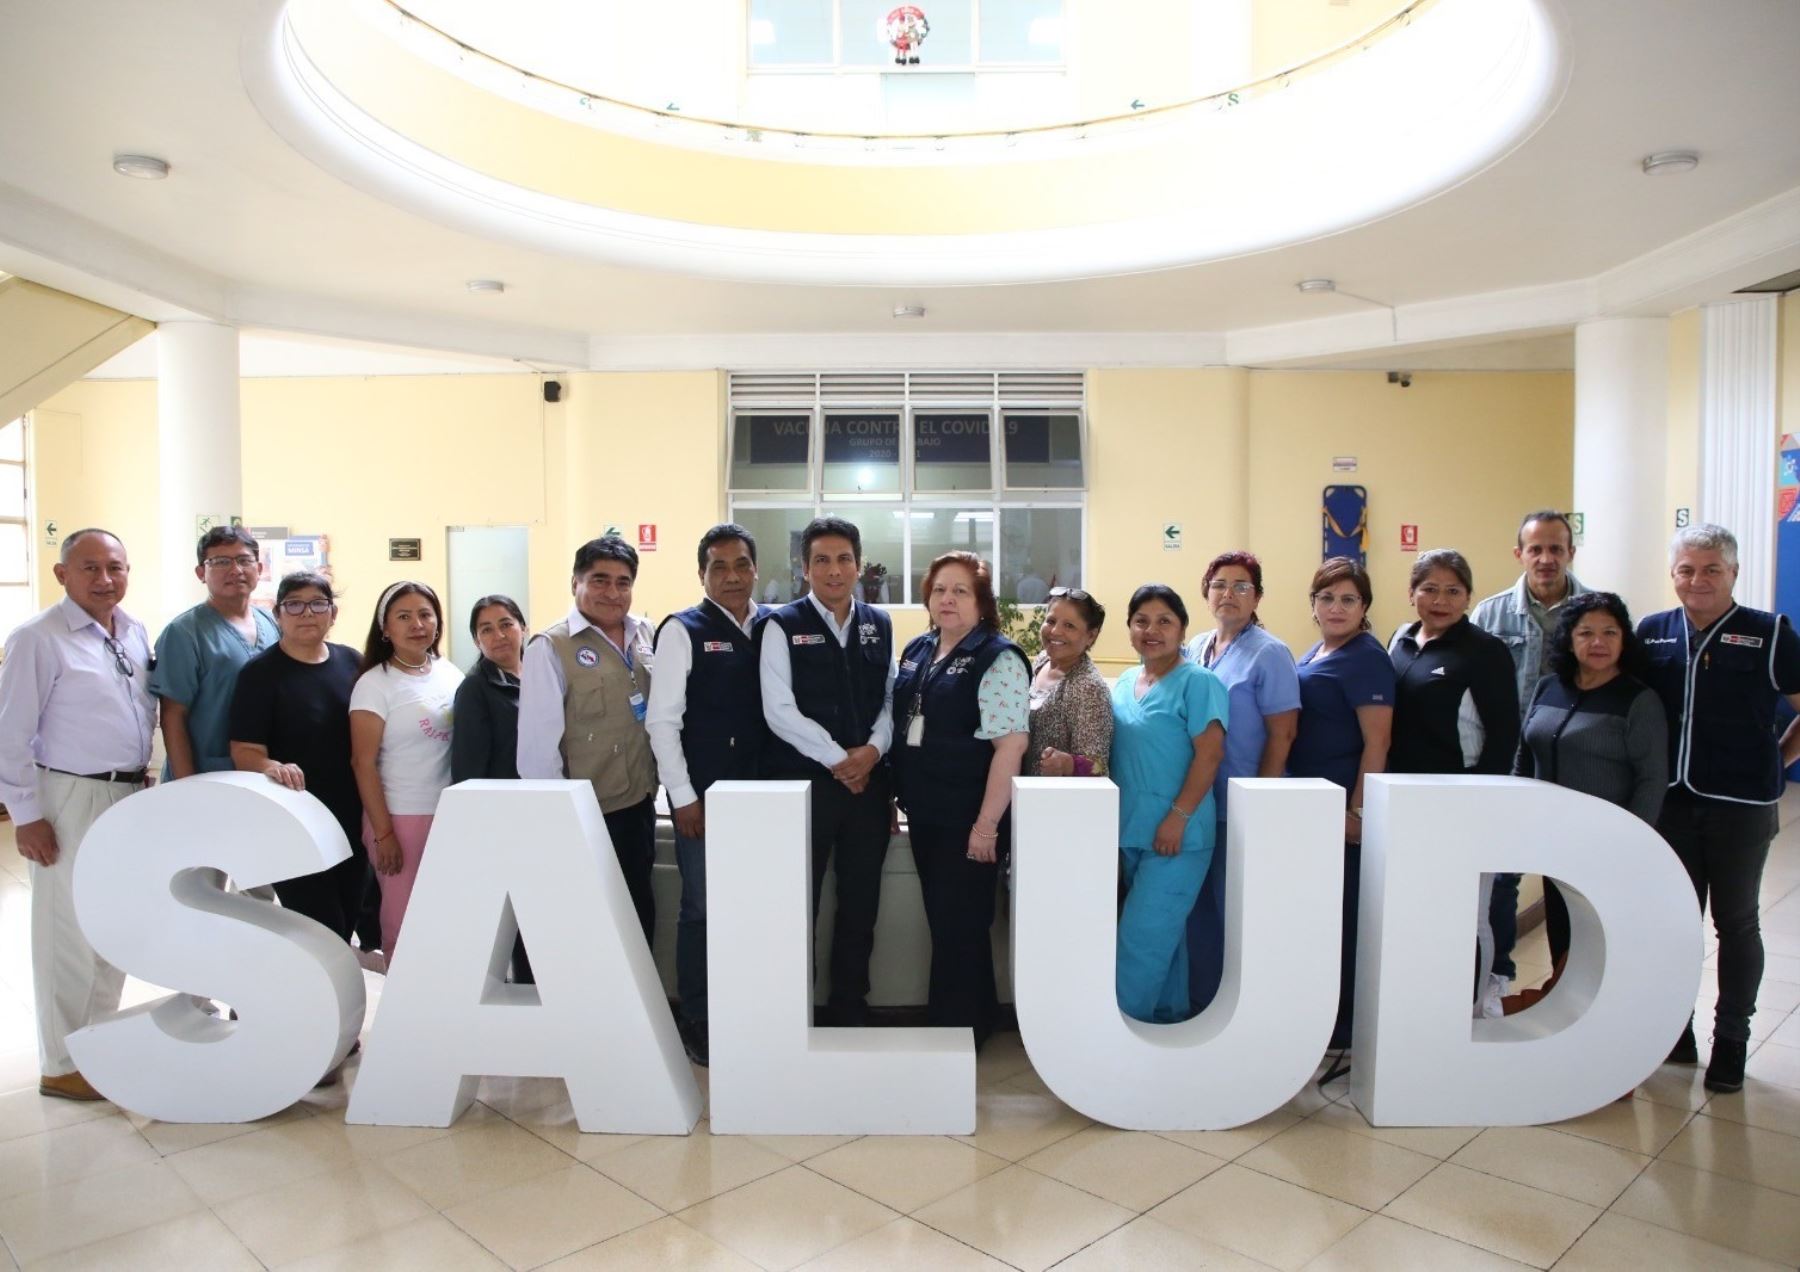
<point x="1073" y="715"/>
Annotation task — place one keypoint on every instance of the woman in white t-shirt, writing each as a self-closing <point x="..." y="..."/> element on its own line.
<point x="400" y="740"/>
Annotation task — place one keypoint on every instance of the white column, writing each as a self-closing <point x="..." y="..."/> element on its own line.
<point x="1738" y="439"/>
<point x="199" y="449"/>
<point x="1621" y="428"/>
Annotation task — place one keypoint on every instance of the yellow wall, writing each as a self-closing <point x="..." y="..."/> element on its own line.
<point x="1286" y="32"/>
<point x="1787" y="386"/>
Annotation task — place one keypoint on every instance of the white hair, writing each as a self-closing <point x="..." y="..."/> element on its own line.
<point x="1705" y="537"/>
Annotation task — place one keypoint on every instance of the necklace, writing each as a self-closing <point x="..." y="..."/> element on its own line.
<point x="411" y="666"/>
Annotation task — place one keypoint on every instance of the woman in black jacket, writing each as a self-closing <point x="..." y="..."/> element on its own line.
<point x="485" y="742"/>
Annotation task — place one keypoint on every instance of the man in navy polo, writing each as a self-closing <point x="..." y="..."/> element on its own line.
<point x="828" y="696"/>
<point x="1720" y="669"/>
<point x="706" y="725"/>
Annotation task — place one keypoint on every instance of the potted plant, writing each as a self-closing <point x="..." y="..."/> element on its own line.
<point x="874" y="578"/>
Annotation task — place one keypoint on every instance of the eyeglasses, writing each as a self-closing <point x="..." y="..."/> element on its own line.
<point x="1349" y="600"/>
<point x="120" y="661"/>
<point x="245" y="562"/>
<point x="294" y="609"/>
<point x="1239" y="588"/>
<point x="1073" y="593"/>
<point x="1431" y="591"/>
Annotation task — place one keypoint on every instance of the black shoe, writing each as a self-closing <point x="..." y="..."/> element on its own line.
<point x="1685" y="1050"/>
<point x="1725" y="1071"/>
<point x="694" y="1041"/>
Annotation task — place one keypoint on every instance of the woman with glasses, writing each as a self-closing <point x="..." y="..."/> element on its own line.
<point x="1456" y="705"/>
<point x="1071" y="705"/>
<point x="400" y="713"/>
<point x="485" y="742"/>
<point x="1169" y="722"/>
<point x="1258" y="673"/>
<point x="1346" y="718"/>
<point x="290" y="721"/>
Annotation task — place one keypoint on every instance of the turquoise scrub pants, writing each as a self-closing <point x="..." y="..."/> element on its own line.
<point x="1153" y="958"/>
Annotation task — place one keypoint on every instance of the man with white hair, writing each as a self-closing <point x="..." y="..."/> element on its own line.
<point x="1720" y="669"/>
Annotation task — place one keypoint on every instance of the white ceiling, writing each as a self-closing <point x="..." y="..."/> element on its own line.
<point x="1564" y="228"/>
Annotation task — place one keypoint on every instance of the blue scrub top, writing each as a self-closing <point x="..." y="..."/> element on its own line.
<point x="1329" y="743"/>
<point x="1153" y="747"/>
<point x="1257" y="670"/>
<point x="198" y="657"/>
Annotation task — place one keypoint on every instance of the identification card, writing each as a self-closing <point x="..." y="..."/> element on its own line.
<point x="915" y="730"/>
<point x="638" y="707"/>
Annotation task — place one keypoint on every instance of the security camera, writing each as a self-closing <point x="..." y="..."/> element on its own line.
<point x="1402" y="378"/>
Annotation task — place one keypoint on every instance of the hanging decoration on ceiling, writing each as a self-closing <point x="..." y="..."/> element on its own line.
<point x="1346" y="515"/>
<point x="905" y="28"/>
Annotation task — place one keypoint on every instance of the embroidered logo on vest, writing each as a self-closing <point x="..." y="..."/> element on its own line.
<point x="1749" y="642"/>
<point x="716" y="646"/>
<point x="807" y="638"/>
<point x="871" y="634"/>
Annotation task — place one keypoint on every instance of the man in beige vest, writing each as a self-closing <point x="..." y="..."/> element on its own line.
<point x="583" y="695"/>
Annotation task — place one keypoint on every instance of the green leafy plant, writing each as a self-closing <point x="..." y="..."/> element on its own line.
<point x="1023" y="624"/>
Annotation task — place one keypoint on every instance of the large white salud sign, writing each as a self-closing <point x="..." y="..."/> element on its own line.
<point x="534" y="857"/>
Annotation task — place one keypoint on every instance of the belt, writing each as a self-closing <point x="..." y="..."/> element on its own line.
<point x="131" y="777"/>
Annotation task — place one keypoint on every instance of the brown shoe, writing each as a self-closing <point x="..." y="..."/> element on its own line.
<point x="68" y="1086"/>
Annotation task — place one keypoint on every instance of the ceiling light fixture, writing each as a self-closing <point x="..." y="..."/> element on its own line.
<point x="142" y="167"/>
<point x="1667" y="161"/>
<point x="909" y="311"/>
<point x="1311" y="285"/>
<point x="485" y="286"/>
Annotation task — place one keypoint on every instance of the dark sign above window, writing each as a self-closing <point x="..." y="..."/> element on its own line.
<point x="952" y="439"/>
<point x="862" y="439"/>
<point x="777" y="439"/>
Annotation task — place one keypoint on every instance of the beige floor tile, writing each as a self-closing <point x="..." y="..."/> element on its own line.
<point x="1680" y="1086"/>
<point x="1495" y="1214"/>
<point x="385" y="1141"/>
<point x="19" y="1067"/>
<point x="549" y="1216"/>
<point x="667" y="1243"/>
<point x="86" y="1210"/>
<point x="512" y="1097"/>
<point x="1230" y="1145"/>
<point x="191" y="1241"/>
<point x="1618" y="1244"/>
<point x="1742" y="1152"/>
<point x="1773" y="1108"/>
<point x="1015" y="1124"/>
<point x="427" y="1244"/>
<point x="70" y="1152"/>
<point x="1565" y="1165"/>
<point x="675" y="1171"/>
<point x="1024" y="1218"/>
<point x="1269" y="1219"/>
<point x="261" y="1160"/>
<point x="1003" y="1058"/>
<point x="1787" y="1033"/>
<point x="1728" y="1212"/>
<point x="28" y="1113"/>
<point x="1637" y="1126"/>
<point x="800" y="1148"/>
<point x="905" y="1172"/>
<point x="1780" y="967"/>
<point x="1440" y="1142"/>
<point x="1133" y="1169"/>
<point x="555" y="1124"/>
<point x="1354" y="1168"/>
<point x="294" y="1221"/>
<point x="904" y="1243"/>
<point x="784" y="1219"/>
<point x="1774" y="1063"/>
<point x="1391" y="1246"/>
<point x="483" y="1159"/>
<point x="1148" y="1245"/>
<point x="168" y="1138"/>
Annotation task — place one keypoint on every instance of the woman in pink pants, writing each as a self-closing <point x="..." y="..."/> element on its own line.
<point x="400" y="740"/>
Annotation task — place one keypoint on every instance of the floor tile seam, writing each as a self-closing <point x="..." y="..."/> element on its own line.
<point x="1666" y="1227"/>
<point x="449" y="1219"/>
<point x="1725" y="1121"/>
<point x="1367" y="1210"/>
<point x="1599" y="1211"/>
<point x="1791" y="1191"/>
<point x="1642" y="1167"/>
<point x="996" y="1258"/>
<point x="1139" y="1212"/>
<point x="1567" y="1128"/>
<point x="1556" y="1128"/>
<point x="785" y="1164"/>
<point x="1469" y="1245"/>
<point x="48" y="1185"/>
<point x="1500" y="1178"/>
<point x="486" y="1193"/>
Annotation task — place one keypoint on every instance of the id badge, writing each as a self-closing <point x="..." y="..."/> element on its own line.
<point x="638" y="707"/>
<point x="915" y="730"/>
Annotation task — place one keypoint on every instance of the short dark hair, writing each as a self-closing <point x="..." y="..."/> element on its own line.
<point x="377" y="648"/>
<point x="505" y="602"/>
<point x="987" y="609"/>
<point x="219" y="536"/>
<point x="1545" y="514"/>
<point x="1093" y="613"/>
<point x="724" y="532"/>
<point x="1157" y="592"/>
<point x="1245" y="561"/>
<point x="826" y="527"/>
<point x="1441" y="559"/>
<point x="291" y="583"/>
<point x="1633" y="661"/>
<point x="1336" y="570"/>
<point x="608" y="548"/>
<point x="75" y="536"/>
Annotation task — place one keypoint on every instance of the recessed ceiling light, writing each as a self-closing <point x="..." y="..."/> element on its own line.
<point x="1310" y="285"/>
<point x="143" y="167"/>
<point x="909" y="311"/>
<point x="485" y="286"/>
<point x="1666" y="161"/>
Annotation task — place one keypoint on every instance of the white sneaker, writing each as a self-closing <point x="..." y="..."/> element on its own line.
<point x="1497" y="988"/>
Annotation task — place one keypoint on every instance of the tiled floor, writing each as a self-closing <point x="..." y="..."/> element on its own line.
<point x="1669" y="1179"/>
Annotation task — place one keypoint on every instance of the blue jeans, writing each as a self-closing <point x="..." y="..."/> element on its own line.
<point x="1152" y="978"/>
<point x="690" y="929"/>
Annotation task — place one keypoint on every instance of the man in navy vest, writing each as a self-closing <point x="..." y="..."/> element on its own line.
<point x="1720" y="668"/>
<point x="706" y="726"/>
<point x="828" y="696"/>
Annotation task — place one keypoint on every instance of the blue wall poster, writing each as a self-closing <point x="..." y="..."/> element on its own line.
<point x="1346" y="518"/>
<point x="1787" y="530"/>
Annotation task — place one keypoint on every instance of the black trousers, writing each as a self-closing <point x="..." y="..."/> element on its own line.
<point x="850" y="835"/>
<point x="1341" y="1028"/>
<point x="1557" y="927"/>
<point x="959" y="907"/>
<point x="633" y="833"/>
<point x="333" y="898"/>
<point x="1723" y="846"/>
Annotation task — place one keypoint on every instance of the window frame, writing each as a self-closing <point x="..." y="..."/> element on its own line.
<point x="838" y="66"/>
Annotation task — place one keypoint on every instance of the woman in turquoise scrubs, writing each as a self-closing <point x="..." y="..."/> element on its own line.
<point x="1169" y="720"/>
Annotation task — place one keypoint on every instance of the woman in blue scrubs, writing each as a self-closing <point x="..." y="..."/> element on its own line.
<point x="1169" y="720"/>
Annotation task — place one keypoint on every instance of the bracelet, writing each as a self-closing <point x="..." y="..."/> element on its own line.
<point x="985" y="834"/>
<point x="1176" y="809"/>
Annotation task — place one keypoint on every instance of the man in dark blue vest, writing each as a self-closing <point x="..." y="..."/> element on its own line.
<point x="1720" y="668"/>
<point x="827" y="693"/>
<point x="706" y="725"/>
